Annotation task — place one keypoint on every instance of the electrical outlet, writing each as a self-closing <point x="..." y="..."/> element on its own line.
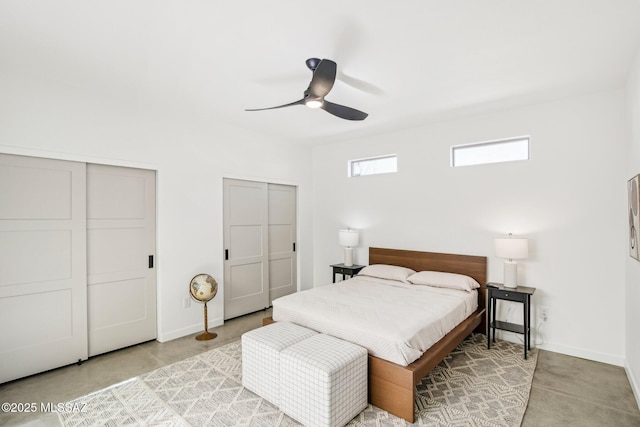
<point x="186" y="302"/>
<point x="543" y="313"/>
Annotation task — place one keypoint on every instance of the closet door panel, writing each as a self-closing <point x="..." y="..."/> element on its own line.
<point x="282" y="239"/>
<point x="246" y="271"/>
<point x="32" y="256"/>
<point x="43" y="299"/>
<point x="26" y="188"/>
<point x="120" y="240"/>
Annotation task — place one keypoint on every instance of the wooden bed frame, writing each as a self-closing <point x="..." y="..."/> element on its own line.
<point x="392" y="387"/>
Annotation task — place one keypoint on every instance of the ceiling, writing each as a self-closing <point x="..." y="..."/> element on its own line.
<point x="405" y="63"/>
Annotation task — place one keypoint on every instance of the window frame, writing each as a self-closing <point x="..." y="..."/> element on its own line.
<point x="350" y="164"/>
<point x="495" y="142"/>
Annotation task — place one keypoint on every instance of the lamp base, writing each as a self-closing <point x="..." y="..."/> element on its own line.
<point x="510" y="274"/>
<point x="206" y="335"/>
<point x="348" y="257"/>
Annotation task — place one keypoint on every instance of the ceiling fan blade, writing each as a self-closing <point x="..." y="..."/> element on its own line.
<point x="343" y="112"/>
<point x="324" y="76"/>
<point x="359" y="84"/>
<point x="299" y="102"/>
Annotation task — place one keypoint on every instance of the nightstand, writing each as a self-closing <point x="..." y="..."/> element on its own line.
<point x="350" y="271"/>
<point x="521" y="294"/>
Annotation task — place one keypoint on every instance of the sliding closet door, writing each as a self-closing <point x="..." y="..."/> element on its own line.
<point x="246" y="267"/>
<point x="43" y="299"/>
<point x="259" y="241"/>
<point x="282" y="241"/>
<point x="120" y="257"/>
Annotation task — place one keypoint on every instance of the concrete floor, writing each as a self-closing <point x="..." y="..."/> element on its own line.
<point x="566" y="391"/>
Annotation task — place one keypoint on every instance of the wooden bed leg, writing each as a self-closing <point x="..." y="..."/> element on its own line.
<point x="391" y="391"/>
<point x="399" y="402"/>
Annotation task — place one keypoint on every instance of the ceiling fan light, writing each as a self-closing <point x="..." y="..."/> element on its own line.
<point x="314" y="103"/>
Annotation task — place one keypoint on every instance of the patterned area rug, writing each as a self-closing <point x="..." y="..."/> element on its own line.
<point x="473" y="386"/>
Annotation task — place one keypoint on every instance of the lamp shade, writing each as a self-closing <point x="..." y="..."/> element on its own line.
<point x="348" y="238"/>
<point x="512" y="248"/>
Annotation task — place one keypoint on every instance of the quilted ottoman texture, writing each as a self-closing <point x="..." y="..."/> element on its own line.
<point x="261" y="349"/>
<point x="323" y="381"/>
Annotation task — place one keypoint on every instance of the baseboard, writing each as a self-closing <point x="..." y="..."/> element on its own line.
<point x="632" y="381"/>
<point x="582" y="353"/>
<point x="188" y="330"/>
<point x="568" y="350"/>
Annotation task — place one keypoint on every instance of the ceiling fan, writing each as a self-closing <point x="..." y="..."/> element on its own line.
<point x="324" y="75"/>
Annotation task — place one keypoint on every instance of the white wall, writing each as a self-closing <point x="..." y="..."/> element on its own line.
<point x="632" y="319"/>
<point x="191" y="153"/>
<point x="568" y="200"/>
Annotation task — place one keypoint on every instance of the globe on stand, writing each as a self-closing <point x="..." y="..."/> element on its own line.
<point x="202" y="289"/>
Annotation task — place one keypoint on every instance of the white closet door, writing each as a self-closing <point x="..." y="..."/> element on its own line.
<point x="120" y="241"/>
<point x="282" y="240"/>
<point x="43" y="299"/>
<point x="246" y="271"/>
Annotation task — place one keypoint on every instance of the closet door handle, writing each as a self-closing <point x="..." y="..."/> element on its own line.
<point x="150" y="261"/>
<point x="226" y="254"/>
<point x="294" y="246"/>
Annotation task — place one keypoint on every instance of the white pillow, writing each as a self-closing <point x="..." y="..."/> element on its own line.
<point x="384" y="271"/>
<point x="440" y="279"/>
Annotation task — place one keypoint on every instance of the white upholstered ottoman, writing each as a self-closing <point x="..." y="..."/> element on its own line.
<point x="261" y="349"/>
<point x="323" y="381"/>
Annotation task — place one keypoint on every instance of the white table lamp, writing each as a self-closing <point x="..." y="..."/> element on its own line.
<point x="511" y="248"/>
<point x="348" y="238"/>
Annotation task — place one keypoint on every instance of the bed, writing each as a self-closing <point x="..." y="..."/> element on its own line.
<point x="394" y="367"/>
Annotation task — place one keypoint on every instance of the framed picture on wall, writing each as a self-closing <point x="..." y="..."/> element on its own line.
<point x="634" y="208"/>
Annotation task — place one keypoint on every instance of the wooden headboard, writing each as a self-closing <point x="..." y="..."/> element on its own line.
<point x="469" y="265"/>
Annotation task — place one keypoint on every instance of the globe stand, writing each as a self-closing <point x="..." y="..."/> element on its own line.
<point x="206" y="335"/>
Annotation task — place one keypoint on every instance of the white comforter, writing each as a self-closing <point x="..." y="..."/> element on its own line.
<point x="392" y="320"/>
